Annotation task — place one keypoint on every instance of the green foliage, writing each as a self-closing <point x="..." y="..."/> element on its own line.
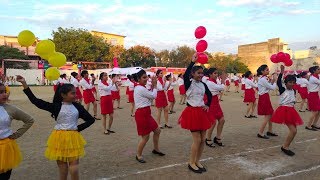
<point x="228" y="64"/>
<point x="179" y="57"/>
<point x="13" y="53"/>
<point x="137" y="56"/>
<point x="80" y="45"/>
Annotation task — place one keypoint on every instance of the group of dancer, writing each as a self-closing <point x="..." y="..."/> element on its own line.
<point x="200" y="116"/>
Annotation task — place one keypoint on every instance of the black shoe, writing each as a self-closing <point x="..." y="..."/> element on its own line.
<point x="96" y="118"/>
<point x="262" y="137"/>
<point x="161" y="127"/>
<point x="203" y="169"/>
<point x="301" y="111"/>
<point x="287" y="152"/>
<point x="158" y="153"/>
<point x="271" y="134"/>
<point x="169" y="112"/>
<point x="110" y="131"/>
<point x="253" y="116"/>
<point x="209" y="144"/>
<point x="247" y="116"/>
<point x="311" y="129"/>
<point x="315" y="127"/>
<point x="166" y="126"/>
<point x="140" y="160"/>
<point x="120" y="108"/>
<point x="216" y="141"/>
<point x="194" y="170"/>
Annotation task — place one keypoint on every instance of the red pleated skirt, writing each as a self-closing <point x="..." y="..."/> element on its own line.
<point x="88" y="96"/>
<point x="145" y="122"/>
<point x="94" y="89"/>
<point x="182" y="90"/>
<point x="286" y="115"/>
<point x="236" y="83"/>
<point x="227" y="83"/>
<point x="115" y="95"/>
<point x="127" y="90"/>
<point x="296" y="87"/>
<point x="161" y="100"/>
<point x="303" y="91"/>
<point x="249" y="95"/>
<point x="243" y="87"/>
<point x="171" y="97"/>
<point x="55" y="88"/>
<point x="131" y="98"/>
<point x="314" y="101"/>
<point x="106" y="105"/>
<point x="194" y="119"/>
<point x="264" y="105"/>
<point x="205" y="99"/>
<point x="215" y="111"/>
<point x="78" y="93"/>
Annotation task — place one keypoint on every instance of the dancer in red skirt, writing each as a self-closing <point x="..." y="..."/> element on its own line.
<point x="127" y="84"/>
<point x="235" y="79"/>
<point x="170" y="84"/>
<point x="264" y="104"/>
<point x="195" y="116"/>
<point x="215" y="111"/>
<point x="285" y="113"/>
<point x="313" y="98"/>
<point x="219" y="81"/>
<point x="243" y="84"/>
<point x="115" y="90"/>
<point x="161" y="100"/>
<point x="182" y="90"/>
<point x="88" y="96"/>
<point x="106" y="105"/>
<point x="55" y="85"/>
<point x="131" y="87"/>
<point x="303" y="90"/>
<point x="144" y="121"/>
<point x="75" y="82"/>
<point x="250" y="94"/>
<point x="63" y="79"/>
<point x="94" y="90"/>
<point x="227" y="83"/>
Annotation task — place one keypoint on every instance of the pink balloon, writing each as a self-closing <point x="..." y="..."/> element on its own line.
<point x="288" y="62"/>
<point x="281" y="57"/>
<point x="202" y="58"/>
<point x="287" y="56"/>
<point x="115" y="62"/>
<point x="273" y="58"/>
<point x="201" y="46"/>
<point x="200" y="32"/>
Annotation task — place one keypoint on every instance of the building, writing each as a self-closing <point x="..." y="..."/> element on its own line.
<point x="113" y="39"/>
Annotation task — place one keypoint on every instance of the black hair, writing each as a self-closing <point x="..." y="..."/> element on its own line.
<point x="168" y="77"/>
<point x="91" y="74"/>
<point x="234" y="73"/>
<point x="290" y="78"/>
<point x="180" y="75"/>
<point x="74" y="74"/>
<point x="84" y="72"/>
<point x="211" y="70"/>
<point x="303" y="74"/>
<point x="195" y="68"/>
<point x="313" y="69"/>
<point x="247" y="74"/>
<point x="261" y="68"/>
<point x="158" y="72"/>
<point x="113" y="75"/>
<point x="242" y="75"/>
<point x="130" y="77"/>
<point x="101" y="75"/>
<point x="149" y="75"/>
<point x="205" y="72"/>
<point x="61" y="89"/>
<point x="138" y="75"/>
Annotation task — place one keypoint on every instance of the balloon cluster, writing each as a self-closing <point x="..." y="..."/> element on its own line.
<point x="46" y="49"/>
<point x="282" y="57"/>
<point x="202" y="45"/>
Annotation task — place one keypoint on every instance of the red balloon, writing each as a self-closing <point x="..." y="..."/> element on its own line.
<point x="287" y="56"/>
<point x="200" y="32"/>
<point x="281" y="57"/>
<point x="288" y="62"/>
<point x="202" y="58"/>
<point x="273" y="58"/>
<point x="201" y="46"/>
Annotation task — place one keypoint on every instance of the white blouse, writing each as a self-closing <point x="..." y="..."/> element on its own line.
<point x="74" y="82"/>
<point x="180" y="81"/>
<point x="304" y="82"/>
<point x="104" y="90"/>
<point x="264" y="86"/>
<point x="5" y="124"/>
<point x="131" y="86"/>
<point x="314" y="84"/>
<point x="172" y="85"/>
<point x="215" y="88"/>
<point x="85" y="85"/>
<point x="67" y="118"/>
<point x="143" y="97"/>
<point x="149" y="83"/>
<point x="249" y="84"/>
<point x="287" y="98"/>
<point x="160" y="87"/>
<point x="195" y="93"/>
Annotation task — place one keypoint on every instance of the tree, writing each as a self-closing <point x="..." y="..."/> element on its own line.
<point x="163" y="58"/>
<point x="80" y="45"/>
<point x="13" y="53"/>
<point x="138" y="56"/>
<point x="181" y="56"/>
<point x="228" y="64"/>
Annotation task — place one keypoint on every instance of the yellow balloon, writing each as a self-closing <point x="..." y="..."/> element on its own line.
<point x="75" y="67"/>
<point x="46" y="56"/>
<point x="207" y="65"/>
<point x="57" y="59"/>
<point x="45" y="47"/>
<point x="52" y="73"/>
<point x="26" y="38"/>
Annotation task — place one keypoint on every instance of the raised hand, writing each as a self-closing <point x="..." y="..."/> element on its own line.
<point x="154" y="81"/>
<point x="282" y="69"/>
<point x="195" y="57"/>
<point x="20" y="79"/>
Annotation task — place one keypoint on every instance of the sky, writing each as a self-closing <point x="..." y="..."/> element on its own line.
<point x="166" y="24"/>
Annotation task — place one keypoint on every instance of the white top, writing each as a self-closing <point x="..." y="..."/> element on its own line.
<point x="149" y="83"/>
<point x="143" y="97"/>
<point x="215" y="88"/>
<point x="160" y="87"/>
<point x="205" y="79"/>
<point x="67" y="118"/>
<point x="63" y="81"/>
<point x="243" y="80"/>
<point x="55" y="82"/>
<point x="219" y="81"/>
<point x="264" y="86"/>
<point x="249" y="84"/>
<point x="180" y="81"/>
<point x="74" y="82"/>
<point x="104" y="90"/>
<point x="298" y="81"/>
<point x="304" y="82"/>
<point x="235" y="78"/>
<point x="195" y="94"/>
<point x="85" y="85"/>
<point x="314" y="84"/>
<point x="5" y="124"/>
<point x="171" y="85"/>
<point x="287" y="98"/>
<point x="131" y="86"/>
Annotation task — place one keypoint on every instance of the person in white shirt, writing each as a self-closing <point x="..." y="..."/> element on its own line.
<point x="235" y="79"/>
<point x="115" y="90"/>
<point x="63" y="79"/>
<point x="182" y="90"/>
<point x="170" y="84"/>
<point x="75" y="82"/>
<point x="94" y="90"/>
<point x="313" y="98"/>
<point x="215" y="111"/>
<point x="132" y="84"/>
<point x="227" y="83"/>
<point x="161" y="100"/>
<point x="249" y="94"/>
<point x="149" y="83"/>
<point x="264" y="104"/>
<point x="144" y="121"/>
<point x="55" y="85"/>
<point x="303" y="90"/>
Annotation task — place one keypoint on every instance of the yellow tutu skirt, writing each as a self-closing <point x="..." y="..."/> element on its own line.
<point x="10" y="155"/>
<point x="65" y="146"/>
